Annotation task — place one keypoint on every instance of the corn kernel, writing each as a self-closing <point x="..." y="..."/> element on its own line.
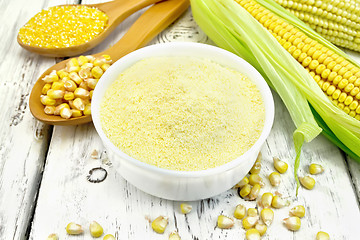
<point x="315" y="169"/>
<point x="298" y="211"/>
<point x="65" y="113"/>
<point x="109" y="237"/>
<point x="254" y="192"/>
<point x="105" y="66"/>
<point x="185" y="208"/>
<point x="252" y="234"/>
<point x="82" y="60"/>
<point x="47" y="101"/>
<point x="240" y="211"/>
<point x="87" y="109"/>
<point x="266" y="200"/>
<point x="257" y="165"/>
<point x="159" y="224"/>
<point x="245" y="190"/>
<point x="59" y="107"/>
<point x="76" y="113"/>
<point x="79" y="104"/>
<point x="81" y="93"/>
<point x="97" y="72"/>
<point x="252" y="212"/>
<point x="242" y="183"/>
<point x="275" y="179"/>
<point x="52" y="236"/>
<point x="84" y="73"/>
<point x="278" y="202"/>
<point x="96" y="229"/>
<point x="224" y="222"/>
<point x="91" y="82"/>
<point x="74" y="229"/>
<point x="249" y="222"/>
<point x="267" y="216"/>
<point x="322" y="236"/>
<point x="69" y="96"/>
<point x="307" y="182"/>
<point x="52" y="77"/>
<point x="45" y="88"/>
<point x="174" y="236"/>
<point x="255" y="179"/>
<point x="280" y="165"/>
<point x="75" y="77"/>
<point x="49" y="110"/>
<point x="261" y="228"/>
<point x="292" y="223"/>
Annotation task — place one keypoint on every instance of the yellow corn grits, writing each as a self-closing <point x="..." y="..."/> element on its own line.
<point x="182" y="113"/>
<point x="63" y="26"/>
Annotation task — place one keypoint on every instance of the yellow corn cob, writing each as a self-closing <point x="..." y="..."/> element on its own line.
<point x="337" y="21"/>
<point x="337" y="77"/>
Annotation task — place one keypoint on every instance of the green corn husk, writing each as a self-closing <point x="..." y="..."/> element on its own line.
<point x="231" y="27"/>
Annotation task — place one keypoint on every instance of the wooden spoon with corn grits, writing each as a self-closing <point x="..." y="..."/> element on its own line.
<point x="117" y="11"/>
<point x="146" y="27"/>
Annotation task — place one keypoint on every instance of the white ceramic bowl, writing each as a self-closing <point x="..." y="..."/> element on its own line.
<point x="182" y="185"/>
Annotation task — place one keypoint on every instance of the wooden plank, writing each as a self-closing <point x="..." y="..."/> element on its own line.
<point x="66" y="195"/>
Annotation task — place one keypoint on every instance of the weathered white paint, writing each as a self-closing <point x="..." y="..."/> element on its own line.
<point x="66" y="195"/>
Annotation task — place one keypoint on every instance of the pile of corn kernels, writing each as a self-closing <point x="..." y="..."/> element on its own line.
<point x="68" y="92"/>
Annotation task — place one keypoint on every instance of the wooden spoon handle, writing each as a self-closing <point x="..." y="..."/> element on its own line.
<point x="147" y="26"/>
<point x="119" y="10"/>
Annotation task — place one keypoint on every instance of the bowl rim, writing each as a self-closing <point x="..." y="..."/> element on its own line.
<point x="149" y="51"/>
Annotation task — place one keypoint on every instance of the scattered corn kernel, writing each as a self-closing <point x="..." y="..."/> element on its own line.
<point x="252" y="234"/>
<point x="254" y="192"/>
<point x="76" y="113"/>
<point x="292" y="223"/>
<point x="63" y="26"/>
<point x="224" y="222"/>
<point x="322" y="236"/>
<point x="275" y="179"/>
<point x="298" y="211"/>
<point x="74" y="229"/>
<point x="280" y="165"/>
<point x="307" y="182"/>
<point x="249" y="222"/>
<point x="109" y="237"/>
<point x="69" y="96"/>
<point x="267" y="216"/>
<point x="240" y="211"/>
<point x="70" y="85"/>
<point x="242" y="183"/>
<point x="261" y="228"/>
<point x="159" y="224"/>
<point x="255" y="179"/>
<point x="245" y="190"/>
<point x="185" y="208"/>
<point x="278" y="202"/>
<point x="52" y="236"/>
<point x="96" y="229"/>
<point x="81" y="93"/>
<point x="315" y="169"/>
<point x="257" y="165"/>
<point x="252" y="212"/>
<point x="174" y="236"/>
<point x="51" y="77"/>
<point x="266" y="200"/>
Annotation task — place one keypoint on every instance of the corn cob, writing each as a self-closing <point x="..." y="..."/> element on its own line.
<point x="337" y="77"/>
<point x="337" y="21"/>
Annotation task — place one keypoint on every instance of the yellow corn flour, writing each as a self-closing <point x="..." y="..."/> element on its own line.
<point x="182" y="113"/>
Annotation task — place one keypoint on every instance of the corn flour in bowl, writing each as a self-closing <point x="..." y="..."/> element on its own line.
<point x="183" y="121"/>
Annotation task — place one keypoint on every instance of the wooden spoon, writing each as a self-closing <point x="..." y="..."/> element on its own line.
<point x="117" y="11"/>
<point x="149" y="24"/>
